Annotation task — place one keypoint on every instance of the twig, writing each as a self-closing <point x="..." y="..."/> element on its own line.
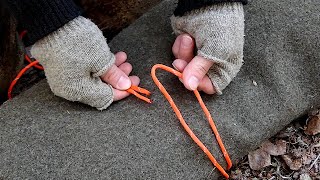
<point x="278" y="171"/>
<point x="272" y="178"/>
<point x="314" y="162"/>
<point x="317" y="145"/>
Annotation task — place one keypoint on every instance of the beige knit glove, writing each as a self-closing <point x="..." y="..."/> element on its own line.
<point x="219" y="34"/>
<point x="73" y="58"/>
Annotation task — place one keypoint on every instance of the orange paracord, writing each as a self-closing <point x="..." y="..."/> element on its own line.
<point x="134" y="90"/>
<point x="185" y="125"/>
<point x="31" y="64"/>
<point x="13" y="83"/>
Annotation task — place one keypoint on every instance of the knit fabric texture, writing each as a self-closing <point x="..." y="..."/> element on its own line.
<point x="41" y="17"/>
<point x="185" y="6"/>
<point x="219" y="34"/>
<point x="74" y="57"/>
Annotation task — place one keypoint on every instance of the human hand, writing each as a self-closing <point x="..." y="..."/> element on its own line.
<point x="218" y="33"/>
<point x="77" y="59"/>
<point x="194" y="68"/>
<point x="117" y="76"/>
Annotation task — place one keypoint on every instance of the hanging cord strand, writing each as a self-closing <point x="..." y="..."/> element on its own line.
<point x="184" y="124"/>
<point x="13" y="83"/>
<point x="26" y="57"/>
<point x="31" y="64"/>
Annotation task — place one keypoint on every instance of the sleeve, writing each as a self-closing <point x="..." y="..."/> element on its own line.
<point x="41" y="17"/>
<point x="185" y="6"/>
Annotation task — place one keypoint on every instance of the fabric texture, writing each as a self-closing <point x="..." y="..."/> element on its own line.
<point x="41" y="17"/>
<point x="219" y="34"/>
<point x="46" y="137"/>
<point x="185" y="6"/>
<point x="74" y="57"/>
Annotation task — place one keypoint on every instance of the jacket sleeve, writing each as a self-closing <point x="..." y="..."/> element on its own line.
<point x="41" y="17"/>
<point x="185" y="6"/>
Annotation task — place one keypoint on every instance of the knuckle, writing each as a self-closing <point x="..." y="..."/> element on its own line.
<point x="201" y="68"/>
<point x="112" y="74"/>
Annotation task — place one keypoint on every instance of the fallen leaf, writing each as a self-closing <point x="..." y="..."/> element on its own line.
<point x="259" y="159"/>
<point x="277" y="149"/>
<point x="313" y="126"/>
<point x="294" y="165"/>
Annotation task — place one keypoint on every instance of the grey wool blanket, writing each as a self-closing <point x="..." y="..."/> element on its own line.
<point x="46" y="137"/>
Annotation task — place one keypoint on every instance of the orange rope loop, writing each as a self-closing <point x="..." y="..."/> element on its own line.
<point x="185" y="125"/>
<point x="27" y="58"/>
<point x="13" y="83"/>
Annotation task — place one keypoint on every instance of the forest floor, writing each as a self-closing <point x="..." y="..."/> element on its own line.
<point x="293" y="153"/>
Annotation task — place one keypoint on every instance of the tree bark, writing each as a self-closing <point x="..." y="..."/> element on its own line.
<point x="10" y="60"/>
<point x="112" y="16"/>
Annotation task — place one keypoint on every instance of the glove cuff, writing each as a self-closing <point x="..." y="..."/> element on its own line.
<point x="80" y="38"/>
<point x="218" y="11"/>
<point x="223" y="8"/>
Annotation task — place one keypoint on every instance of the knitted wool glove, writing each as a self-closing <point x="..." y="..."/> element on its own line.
<point x="73" y="58"/>
<point x="219" y="34"/>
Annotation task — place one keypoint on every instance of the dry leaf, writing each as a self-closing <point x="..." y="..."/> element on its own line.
<point x="259" y="159"/>
<point x="294" y="165"/>
<point x="277" y="149"/>
<point x="313" y="126"/>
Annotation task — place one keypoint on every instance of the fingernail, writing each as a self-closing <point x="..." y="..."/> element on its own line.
<point x="173" y="64"/>
<point x="124" y="83"/>
<point x="186" y="41"/>
<point x="193" y="83"/>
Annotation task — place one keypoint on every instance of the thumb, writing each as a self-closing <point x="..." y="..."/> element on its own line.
<point x="195" y="72"/>
<point x="116" y="78"/>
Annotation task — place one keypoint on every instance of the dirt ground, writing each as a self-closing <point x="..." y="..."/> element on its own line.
<point x="294" y="153"/>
